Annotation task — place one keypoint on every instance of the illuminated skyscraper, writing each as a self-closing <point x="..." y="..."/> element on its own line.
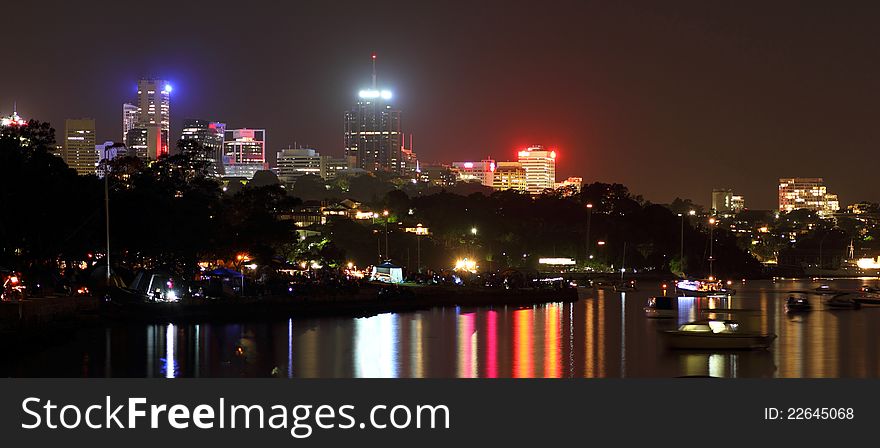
<point x="509" y="176"/>
<point x="79" y="151"/>
<point x="203" y="140"/>
<point x="806" y="193"/>
<point x="154" y="104"/>
<point x="129" y="118"/>
<point x="540" y="167"/>
<point x="244" y="152"/>
<point x="372" y="130"/>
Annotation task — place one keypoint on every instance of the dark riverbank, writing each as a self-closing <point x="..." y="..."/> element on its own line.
<point x="45" y="315"/>
<point x="366" y="302"/>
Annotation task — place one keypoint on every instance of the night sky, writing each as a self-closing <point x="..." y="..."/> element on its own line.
<point x="669" y="98"/>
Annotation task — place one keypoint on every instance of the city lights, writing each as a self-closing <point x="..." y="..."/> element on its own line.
<point x="465" y="265"/>
<point x="557" y="261"/>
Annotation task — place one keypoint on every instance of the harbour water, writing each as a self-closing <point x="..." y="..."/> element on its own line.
<point x="603" y="334"/>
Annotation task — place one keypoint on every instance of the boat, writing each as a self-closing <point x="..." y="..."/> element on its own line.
<point x="825" y="289"/>
<point x="840" y="302"/>
<point x="795" y="304"/>
<point x="661" y="307"/>
<point x="706" y="287"/>
<point x="625" y="287"/>
<point x="868" y="298"/>
<point x="868" y="288"/>
<point x="602" y="283"/>
<point x="715" y="335"/>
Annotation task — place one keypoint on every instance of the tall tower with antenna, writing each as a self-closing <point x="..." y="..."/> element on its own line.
<point x="372" y="129"/>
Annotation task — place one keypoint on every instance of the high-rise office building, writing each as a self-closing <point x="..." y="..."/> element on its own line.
<point x="806" y="193"/>
<point x="372" y="130"/>
<point x="244" y="152"/>
<point x="437" y="174"/>
<point x="331" y="167"/>
<point x="203" y="140"/>
<point x="129" y="118"/>
<point x="409" y="164"/>
<point x="482" y="171"/>
<point x="292" y="164"/>
<point x="154" y="109"/>
<point x="509" y="176"/>
<point x="540" y="166"/>
<point x="136" y="142"/>
<point x="79" y="145"/>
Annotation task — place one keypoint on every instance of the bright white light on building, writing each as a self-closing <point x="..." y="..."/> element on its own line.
<point x="167" y="88"/>
<point x="868" y="263"/>
<point x="557" y="261"/>
<point x="370" y="94"/>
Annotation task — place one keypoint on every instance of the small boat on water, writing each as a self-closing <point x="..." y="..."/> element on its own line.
<point x="703" y="288"/>
<point x="824" y="289"/>
<point x="868" y="298"/>
<point x="661" y="307"/>
<point x="795" y="304"/>
<point x="715" y="335"/>
<point x="840" y="302"/>
<point x="625" y="287"/>
<point x="868" y="288"/>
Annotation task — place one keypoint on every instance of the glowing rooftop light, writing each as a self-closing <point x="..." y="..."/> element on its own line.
<point x="167" y="88"/>
<point x="373" y="94"/>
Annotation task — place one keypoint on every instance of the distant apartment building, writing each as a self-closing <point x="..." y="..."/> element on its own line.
<point x="540" y="166"/>
<point x="79" y="145"/>
<point x="725" y="202"/>
<point x="482" y="171"/>
<point x="244" y="152"/>
<point x="509" y="176"/>
<point x="808" y="193"/>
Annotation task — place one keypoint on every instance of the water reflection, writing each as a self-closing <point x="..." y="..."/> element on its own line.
<point x="374" y="349"/>
<point x="603" y="334"/>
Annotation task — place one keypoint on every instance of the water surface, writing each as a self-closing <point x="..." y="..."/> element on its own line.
<point x="604" y="334"/>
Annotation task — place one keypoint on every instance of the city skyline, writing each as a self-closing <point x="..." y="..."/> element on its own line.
<point x="633" y="115"/>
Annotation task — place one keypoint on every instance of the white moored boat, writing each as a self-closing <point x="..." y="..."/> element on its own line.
<point x="715" y="335"/>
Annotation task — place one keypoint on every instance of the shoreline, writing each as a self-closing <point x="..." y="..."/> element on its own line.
<point x="51" y="315"/>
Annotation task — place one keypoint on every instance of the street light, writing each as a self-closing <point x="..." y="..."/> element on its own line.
<point x="589" y="219"/>
<point x="385" y="214"/>
<point x="711" y="247"/>
<point x="419" y="247"/>
<point x="474" y="231"/>
<point x="242" y="258"/>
